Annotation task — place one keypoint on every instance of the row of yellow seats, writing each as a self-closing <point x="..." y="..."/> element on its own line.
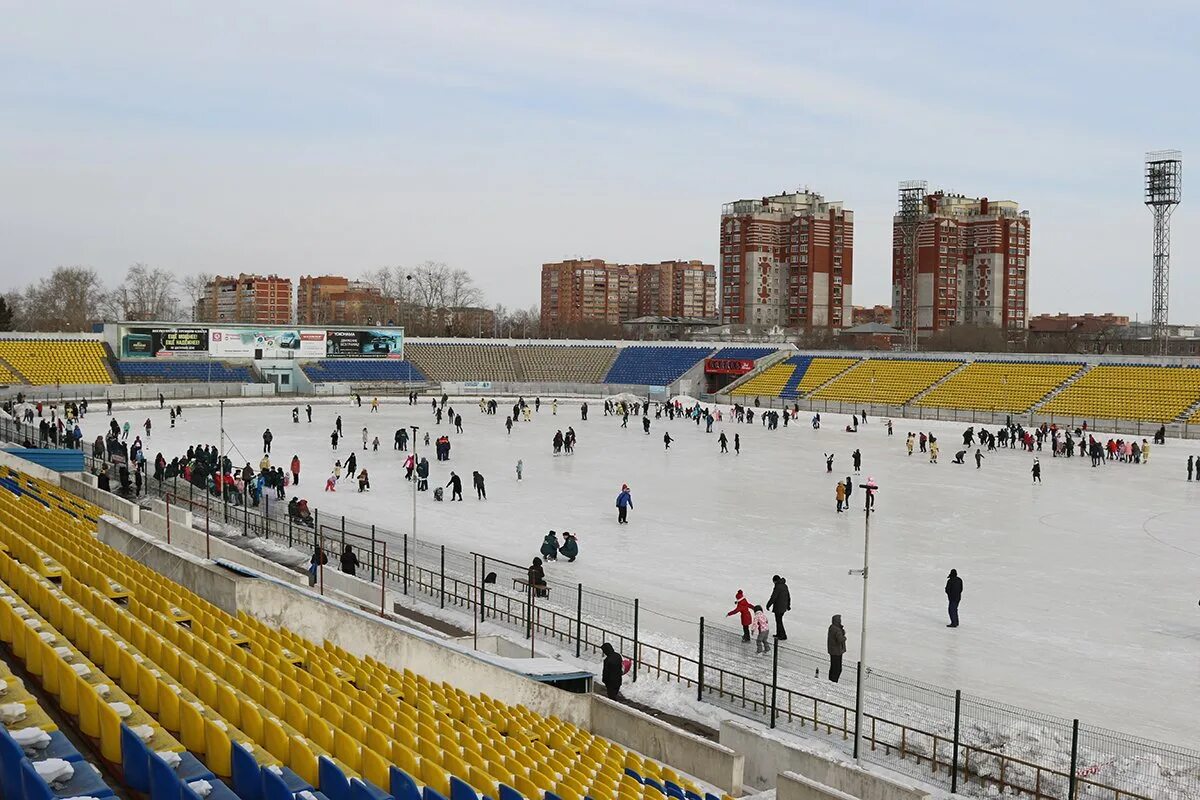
<point x="999" y="386"/>
<point x="768" y="383"/>
<point x="821" y="371"/>
<point x="886" y="381"/>
<point x="49" y="361"/>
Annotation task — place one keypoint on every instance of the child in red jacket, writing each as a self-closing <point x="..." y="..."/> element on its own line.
<point x="743" y="609"/>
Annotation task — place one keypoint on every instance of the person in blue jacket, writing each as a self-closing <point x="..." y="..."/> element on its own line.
<point x="624" y="503"/>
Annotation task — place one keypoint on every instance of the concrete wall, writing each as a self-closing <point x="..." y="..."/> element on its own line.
<point x="318" y="619"/>
<point x="202" y="577"/>
<point x="715" y="763"/>
<point x="791" y="786"/>
<point x="767" y="758"/>
<point x="86" y="488"/>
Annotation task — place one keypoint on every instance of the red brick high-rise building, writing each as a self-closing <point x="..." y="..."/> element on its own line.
<point x="972" y="264"/>
<point x="332" y="299"/>
<point x="594" y="291"/>
<point x="247" y="299"/>
<point x="788" y="261"/>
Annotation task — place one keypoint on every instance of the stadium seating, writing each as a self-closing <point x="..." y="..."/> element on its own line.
<point x="7" y="376"/>
<point x="254" y="704"/>
<point x="361" y="370"/>
<point x="815" y="373"/>
<point x="43" y="362"/>
<point x="462" y="362"/>
<point x="168" y="371"/>
<point x="654" y="365"/>
<point x="769" y="382"/>
<point x="744" y="352"/>
<point x="563" y="363"/>
<point x="1006" y="386"/>
<point x="886" y="381"/>
<point x="1151" y="394"/>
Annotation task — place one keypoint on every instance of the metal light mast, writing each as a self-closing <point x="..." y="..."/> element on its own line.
<point x="912" y="195"/>
<point x="1164" y="186"/>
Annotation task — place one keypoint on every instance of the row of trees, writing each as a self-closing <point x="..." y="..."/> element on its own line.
<point x="428" y="299"/>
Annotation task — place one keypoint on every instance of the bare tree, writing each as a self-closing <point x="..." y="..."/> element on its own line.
<point x="68" y="299"/>
<point x="194" y="287"/>
<point x="147" y="293"/>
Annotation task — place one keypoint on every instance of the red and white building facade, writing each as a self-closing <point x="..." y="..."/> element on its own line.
<point x="972" y="264"/>
<point x="787" y="261"/>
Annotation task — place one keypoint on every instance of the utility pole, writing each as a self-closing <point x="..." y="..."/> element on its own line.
<point x="869" y="488"/>
<point x="415" y="428"/>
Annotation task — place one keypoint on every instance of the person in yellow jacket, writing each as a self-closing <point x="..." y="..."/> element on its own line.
<point x="933" y="452"/>
<point x="840" y="493"/>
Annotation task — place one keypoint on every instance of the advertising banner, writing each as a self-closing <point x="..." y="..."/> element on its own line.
<point x="357" y="344"/>
<point x="165" y="342"/>
<point x="266" y="343"/>
<point x="728" y="366"/>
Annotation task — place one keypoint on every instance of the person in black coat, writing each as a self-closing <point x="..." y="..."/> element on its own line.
<point x="480" y="489"/>
<point x="611" y="674"/>
<point x="954" y="590"/>
<point x="350" y="561"/>
<point x="780" y="603"/>
<point x="455" y="484"/>
<point x="537" y="579"/>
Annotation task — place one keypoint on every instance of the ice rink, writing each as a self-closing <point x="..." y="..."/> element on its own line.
<point x="1080" y="594"/>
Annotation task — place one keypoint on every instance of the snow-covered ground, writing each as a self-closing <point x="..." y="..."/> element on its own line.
<point x="1080" y="594"/>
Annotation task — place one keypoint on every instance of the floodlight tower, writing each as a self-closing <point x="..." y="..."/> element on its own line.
<point x="1164" y="187"/>
<point x="908" y="216"/>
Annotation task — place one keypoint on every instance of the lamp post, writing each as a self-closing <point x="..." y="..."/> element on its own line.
<point x="869" y="488"/>
<point x="415" y="428"/>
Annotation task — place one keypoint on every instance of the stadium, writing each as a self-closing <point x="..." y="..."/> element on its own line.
<point x="184" y="635"/>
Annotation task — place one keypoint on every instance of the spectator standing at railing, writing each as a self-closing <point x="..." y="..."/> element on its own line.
<point x="835" y="644"/>
<point x="350" y="562"/>
<point x="780" y="603"/>
<point x="610" y="673"/>
<point x="318" y="560"/>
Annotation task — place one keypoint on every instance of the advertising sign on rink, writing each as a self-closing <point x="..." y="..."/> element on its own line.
<point x="266" y="343"/>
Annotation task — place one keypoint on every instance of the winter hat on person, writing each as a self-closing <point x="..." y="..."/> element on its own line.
<point x="624" y="487"/>
<point x="739" y="595"/>
<point x="953" y="574"/>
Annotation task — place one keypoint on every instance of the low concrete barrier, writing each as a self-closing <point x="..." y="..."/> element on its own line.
<point x="709" y="761"/>
<point x="107" y="500"/>
<point x="791" y="786"/>
<point x="202" y="577"/>
<point x="768" y="757"/>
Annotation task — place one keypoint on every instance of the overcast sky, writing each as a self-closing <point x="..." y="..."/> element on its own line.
<point x="330" y="137"/>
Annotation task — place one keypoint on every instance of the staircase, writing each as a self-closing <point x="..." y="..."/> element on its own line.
<point x="1186" y="415"/>
<point x="1057" y="390"/>
<point x="19" y="378"/>
<point x="917" y="397"/>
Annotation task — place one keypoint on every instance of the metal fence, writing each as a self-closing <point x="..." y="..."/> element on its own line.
<point x="950" y="738"/>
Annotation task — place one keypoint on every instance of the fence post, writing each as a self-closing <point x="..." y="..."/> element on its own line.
<point x="1074" y="759"/>
<point x="290" y="520"/>
<point x="443" y="601"/>
<point x="373" y="555"/>
<point x="774" y="682"/>
<point x="579" y="621"/>
<point x="405" y="564"/>
<point x="316" y="525"/>
<point x="635" y="639"/>
<point x="954" y="760"/>
<point x="343" y="531"/>
<point x="207" y="532"/>
<point x="482" y="596"/>
<point x="700" y="666"/>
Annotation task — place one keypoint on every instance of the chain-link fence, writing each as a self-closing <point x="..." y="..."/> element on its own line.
<point x="962" y="742"/>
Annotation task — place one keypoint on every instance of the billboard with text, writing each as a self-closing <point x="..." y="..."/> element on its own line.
<point x="187" y="342"/>
<point x="364" y="343"/>
<point x="266" y="343"/>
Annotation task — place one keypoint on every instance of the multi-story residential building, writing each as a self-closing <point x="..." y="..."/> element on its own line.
<point x="972" y="257"/>
<point x="247" y="299"/>
<point x="787" y="261"/>
<point x="879" y="314"/>
<point x="331" y="299"/>
<point x="595" y="291"/>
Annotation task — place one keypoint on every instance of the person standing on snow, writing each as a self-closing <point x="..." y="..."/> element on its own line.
<point x="667" y="440"/>
<point x="762" y="629"/>
<point x="1036" y="471"/>
<point x="954" y="590"/>
<point x="295" y="470"/>
<point x="978" y="458"/>
<point x="1190" y="461"/>
<point x="780" y="603"/>
<point x="737" y="445"/>
<point x="724" y="442"/>
<point x="477" y="482"/>
<point x="455" y="484"/>
<point x="520" y="468"/>
<point x="840" y="495"/>
<point x="744" y="611"/>
<point x="835" y="644"/>
<point x="610" y="674"/>
<point x="624" y="503"/>
<point x="350" y="562"/>
<point x="857" y="458"/>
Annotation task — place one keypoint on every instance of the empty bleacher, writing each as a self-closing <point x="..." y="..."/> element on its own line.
<point x="1005" y="386"/>
<point x="194" y="692"/>
<point x="447" y="361"/>
<point x="815" y="372"/>
<point x="886" y="381"/>
<point x="754" y="353"/>
<point x="1151" y="394"/>
<point x="563" y="363"/>
<point x="43" y="362"/>
<point x="653" y="365"/>
<point x="362" y="371"/>
<point x="169" y="371"/>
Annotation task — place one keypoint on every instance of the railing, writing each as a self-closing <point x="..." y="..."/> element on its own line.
<point x="940" y="736"/>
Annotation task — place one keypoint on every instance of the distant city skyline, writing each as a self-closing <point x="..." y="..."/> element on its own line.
<point x="314" y="138"/>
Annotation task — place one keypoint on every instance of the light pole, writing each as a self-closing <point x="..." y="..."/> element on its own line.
<point x="869" y="488"/>
<point x="416" y="479"/>
<point x="221" y="458"/>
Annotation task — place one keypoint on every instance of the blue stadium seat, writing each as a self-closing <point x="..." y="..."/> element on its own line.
<point x="354" y="370"/>
<point x="654" y="365"/>
<point x="790" y="389"/>
<point x="744" y="352"/>
<point x="166" y="371"/>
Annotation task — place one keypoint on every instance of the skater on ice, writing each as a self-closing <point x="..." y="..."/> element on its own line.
<point x="743" y="609"/>
<point x="724" y="442"/>
<point x="1036" y="471"/>
<point x="624" y="504"/>
<point x="667" y="440"/>
<point x="477" y="482"/>
<point x="455" y="484"/>
<point x="954" y="590"/>
<point x="762" y="629"/>
<point x="780" y="603"/>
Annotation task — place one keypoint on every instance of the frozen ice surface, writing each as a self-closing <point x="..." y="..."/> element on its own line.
<point x="1080" y="593"/>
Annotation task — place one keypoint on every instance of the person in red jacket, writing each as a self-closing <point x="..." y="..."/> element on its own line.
<point x="743" y="608"/>
<point x="295" y="470"/>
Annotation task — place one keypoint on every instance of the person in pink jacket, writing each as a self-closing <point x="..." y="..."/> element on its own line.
<point x="743" y="609"/>
<point x="762" y="629"/>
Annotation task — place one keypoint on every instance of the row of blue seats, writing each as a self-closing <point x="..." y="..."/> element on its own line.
<point x="744" y="352"/>
<point x="167" y="371"/>
<point x="791" y="389"/>
<point x="20" y="780"/>
<point x="342" y="370"/>
<point x="654" y="366"/>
